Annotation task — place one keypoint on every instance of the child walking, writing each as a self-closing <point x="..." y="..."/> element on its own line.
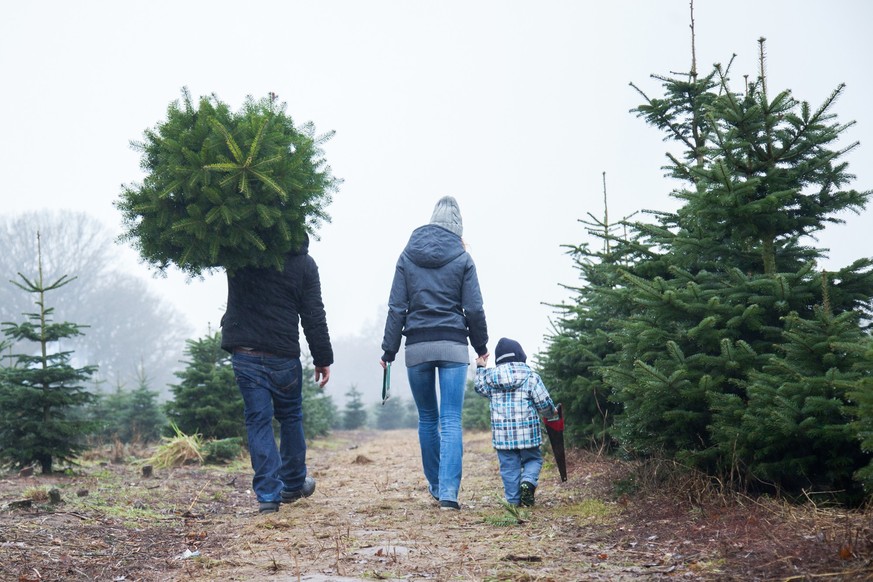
<point x="518" y="398"/>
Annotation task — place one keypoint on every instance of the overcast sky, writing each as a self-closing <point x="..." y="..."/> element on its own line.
<point x="515" y="108"/>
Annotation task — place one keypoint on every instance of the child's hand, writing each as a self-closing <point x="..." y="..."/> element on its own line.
<point x="482" y="360"/>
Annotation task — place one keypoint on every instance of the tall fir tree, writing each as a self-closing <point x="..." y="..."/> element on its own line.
<point x="761" y="181"/>
<point x="714" y="285"/>
<point x="42" y="394"/>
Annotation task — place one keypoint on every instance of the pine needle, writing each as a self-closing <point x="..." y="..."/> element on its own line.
<point x="512" y="515"/>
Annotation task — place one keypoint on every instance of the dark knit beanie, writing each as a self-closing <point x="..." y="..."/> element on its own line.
<point x="447" y="214"/>
<point x="509" y="351"/>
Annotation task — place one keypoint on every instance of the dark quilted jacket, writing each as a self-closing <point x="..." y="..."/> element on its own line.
<point x="266" y="307"/>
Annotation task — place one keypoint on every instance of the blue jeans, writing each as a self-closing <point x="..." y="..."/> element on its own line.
<point x="439" y="423"/>
<point x="516" y="466"/>
<point x="272" y="387"/>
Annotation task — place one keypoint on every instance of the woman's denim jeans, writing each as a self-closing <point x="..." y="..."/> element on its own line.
<point x="439" y="423"/>
<point x="272" y="386"/>
<point x="517" y="466"/>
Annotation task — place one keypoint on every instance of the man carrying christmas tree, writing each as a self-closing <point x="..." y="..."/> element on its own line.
<point x="265" y="308"/>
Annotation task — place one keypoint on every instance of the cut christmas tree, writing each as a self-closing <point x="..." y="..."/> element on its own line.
<point x="226" y="189"/>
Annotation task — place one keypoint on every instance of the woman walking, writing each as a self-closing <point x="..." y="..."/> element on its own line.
<point x="435" y="302"/>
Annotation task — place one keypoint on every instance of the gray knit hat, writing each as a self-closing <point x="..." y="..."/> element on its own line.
<point x="447" y="214"/>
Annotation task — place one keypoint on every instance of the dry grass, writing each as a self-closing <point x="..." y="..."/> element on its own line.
<point x="176" y="451"/>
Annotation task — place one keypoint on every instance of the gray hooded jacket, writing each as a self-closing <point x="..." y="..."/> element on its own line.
<point x="435" y="295"/>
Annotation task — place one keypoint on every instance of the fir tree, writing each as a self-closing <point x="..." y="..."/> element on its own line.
<point x="684" y="320"/>
<point x="410" y="420"/>
<point x="861" y="395"/>
<point x="794" y="432"/>
<point x="319" y="410"/>
<point x="207" y="400"/>
<point x="40" y="394"/>
<point x="476" y="413"/>
<point x="143" y="414"/>
<point x="396" y="413"/>
<point x="355" y="414"/>
<point x="226" y="189"/>
<point x="581" y="346"/>
<point x="130" y="415"/>
<point x="761" y="182"/>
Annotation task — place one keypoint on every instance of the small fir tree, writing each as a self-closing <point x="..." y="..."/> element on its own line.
<point x="794" y="432"/>
<point x="395" y="413"/>
<point x="207" y="400"/>
<point x="476" y="413"/>
<point x="130" y="415"/>
<point x="143" y="413"/>
<point x="410" y="420"/>
<point x="41" y="394"/>
<point x="355" y="414"/>
<point x="319" y="410"/>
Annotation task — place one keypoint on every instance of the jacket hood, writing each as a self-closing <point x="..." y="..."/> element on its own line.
<point x="510" y="376"/>
<point x="432" y="246"/>
<point x="303" y="249"/>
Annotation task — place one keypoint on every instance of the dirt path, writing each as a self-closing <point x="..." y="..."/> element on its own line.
<point x="372" y="518"/>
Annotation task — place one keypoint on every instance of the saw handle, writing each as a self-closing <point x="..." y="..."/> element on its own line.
<point x="556" y="423"/>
